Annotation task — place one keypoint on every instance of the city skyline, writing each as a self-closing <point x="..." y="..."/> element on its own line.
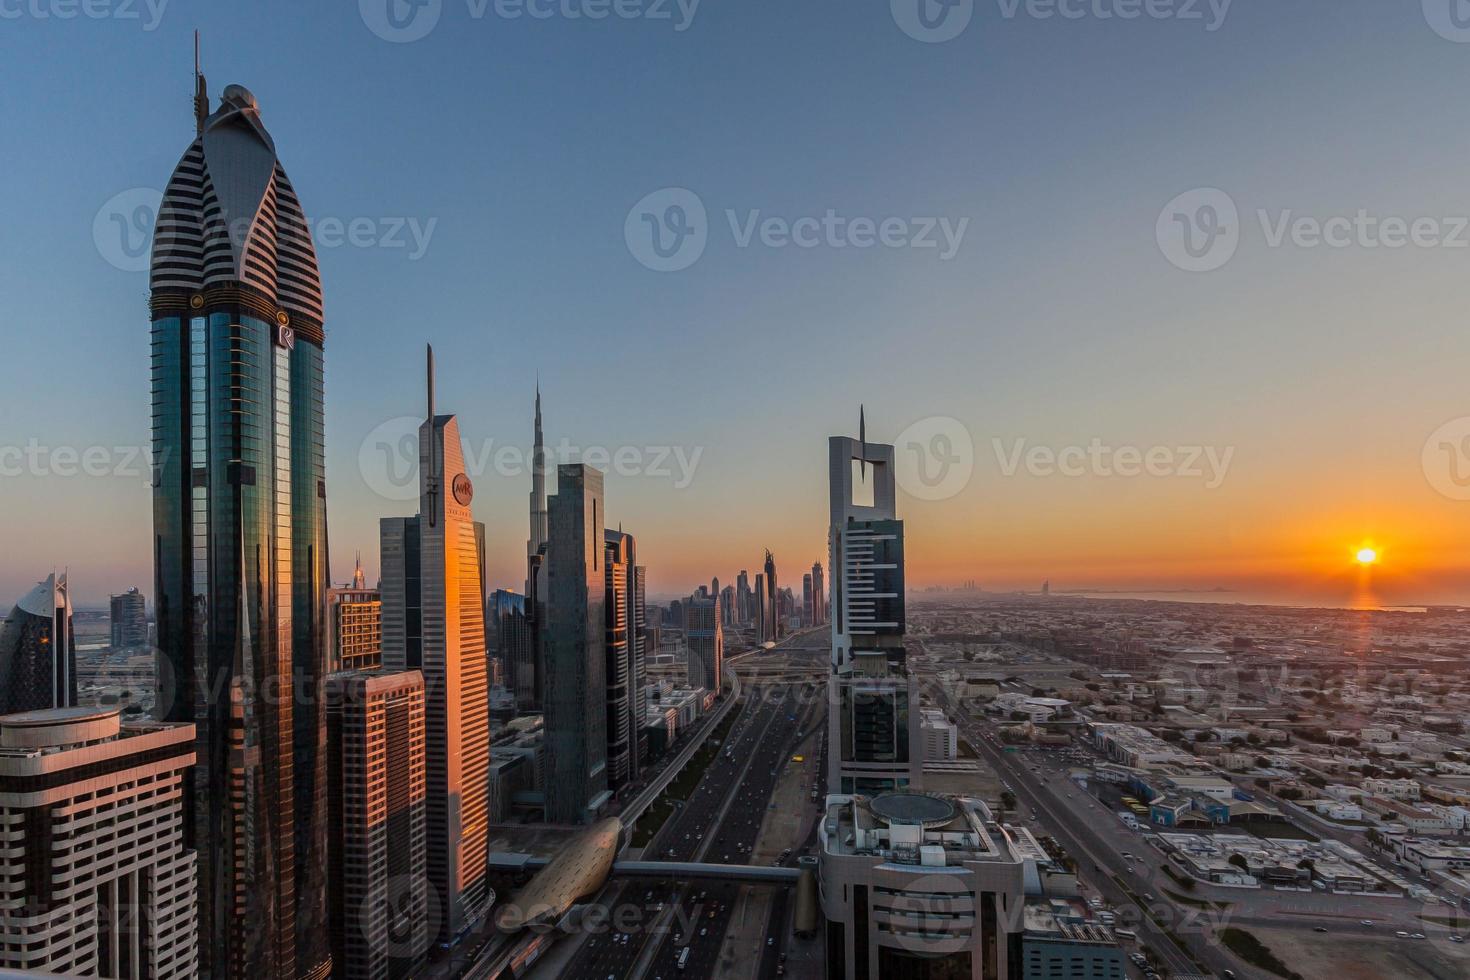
<point x="1093" y="303"/>
<point x="1341" y="412"/>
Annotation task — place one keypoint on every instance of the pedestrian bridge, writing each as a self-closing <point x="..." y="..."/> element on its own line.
<point x="748" y="873"/>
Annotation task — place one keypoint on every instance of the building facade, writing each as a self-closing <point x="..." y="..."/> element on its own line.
<point x="705" y="636"/>
<point x="101" y="881"/>
<point x="129" y="620"/>
<point x="434" y="622"/>
<point x="240" y="537"/>
<point x="38" y="653"/>
<point x="378" y="886"/>
<point x="873" y="714"/>
<point x="917" y="885"/>
<point x="508" y="629"/>
<point x="624" y="674"/>
<point x="355" y="625"/>
<point x="574" y="694"/>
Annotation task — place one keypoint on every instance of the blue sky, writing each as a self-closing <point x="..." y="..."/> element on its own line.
<point x="524" y="143"/>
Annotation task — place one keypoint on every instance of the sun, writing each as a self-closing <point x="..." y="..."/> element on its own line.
<point x="1367" y="556"/>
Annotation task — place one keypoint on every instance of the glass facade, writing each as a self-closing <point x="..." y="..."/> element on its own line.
<point x="240" y="542"/>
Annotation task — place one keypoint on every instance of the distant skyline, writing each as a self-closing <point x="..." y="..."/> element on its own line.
<point x="482" y="188"/>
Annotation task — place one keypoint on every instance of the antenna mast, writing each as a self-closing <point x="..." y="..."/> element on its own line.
<point x="201" y="92"/>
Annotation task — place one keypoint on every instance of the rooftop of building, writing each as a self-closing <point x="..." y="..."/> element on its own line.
<point x="918" y="829"/>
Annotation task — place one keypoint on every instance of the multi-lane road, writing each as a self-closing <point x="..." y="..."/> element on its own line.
<point x="649" y="924"/>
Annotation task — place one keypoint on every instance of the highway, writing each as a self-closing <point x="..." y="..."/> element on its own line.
<point x="717" y="825"/>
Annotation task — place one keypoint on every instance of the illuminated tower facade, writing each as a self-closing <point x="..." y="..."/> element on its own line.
<point x="240" y="539"/>
<point x="434" y="622"/>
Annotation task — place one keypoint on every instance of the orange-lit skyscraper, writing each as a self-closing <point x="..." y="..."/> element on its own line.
<point x="434" y="622"/>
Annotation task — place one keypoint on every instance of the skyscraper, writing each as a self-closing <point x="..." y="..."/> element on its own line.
<point x="508" y="629"/>
<point x="743" y="612"/>
<point x="621" y="677"/>
<point x="129" y="620"/>
<point x="377" y="880"/>
<point x="727" y="605"/>
<point x="38" y="654"/>
<point x="873" y="713"/>
<point x="808" y="610"/>
<point x="529" y="682"/>
<point x="772" y="602"/>
<point x="434" y="621"/>
<point x="100" y="881"/>
<point x="640" y="655"/>
<point x="706" y="639"/>
<point x="761" y="614"/>
<point x="819" y="594"/>
<point x="240" y="537"/>
<point x="354" y="627"/>
<point x="575" y="661"/>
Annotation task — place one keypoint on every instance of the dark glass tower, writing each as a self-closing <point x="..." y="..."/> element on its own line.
<point x="38" y="653"/>
<point x="240" y="539"/>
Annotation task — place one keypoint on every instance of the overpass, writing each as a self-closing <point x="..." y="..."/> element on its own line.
<point x="746" y="873"/>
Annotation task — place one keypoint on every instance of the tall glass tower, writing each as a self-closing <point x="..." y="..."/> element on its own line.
<point x="240" y="539"/>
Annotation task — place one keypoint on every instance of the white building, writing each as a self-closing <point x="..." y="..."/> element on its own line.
<point x="919" y="885"/>
<point x="941" y="737"/>
<point x="98" y="880"/>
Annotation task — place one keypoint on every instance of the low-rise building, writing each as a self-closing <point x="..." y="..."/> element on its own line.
<point x="1056" y="945"/>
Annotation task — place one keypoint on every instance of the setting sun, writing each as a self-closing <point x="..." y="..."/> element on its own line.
<point x="1367" y="556"/>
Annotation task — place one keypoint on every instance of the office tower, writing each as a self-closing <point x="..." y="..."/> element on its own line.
<point x="623" y="676"/>
<point x="819" y="595"/>
<point x="530" y="682"/>
<point x="727" y="605"/>
<point x="574" y="694"/>
<point x="509" y="626"/>
<point x="354" y="627"/>
<point x="38" y="654"/>
<point x="434" y="622"/>
<point x="772" y="601"/>
<point x="1046" y="587"/>
<point x="808" y="611"/>
<point x="714" y="586"/>
<point x="100" y="881"/>
<point x="377" y="873"/>
<point x="706" y="639"/>
<point x="873" y="719"/>
<point x="921" y="885"/>
<point x="129" y="620"/>
<point x="640" y="660"/>
<point x="240" y="538"/>
<point x="762" y="614"/>
<point x="743" y="613"/>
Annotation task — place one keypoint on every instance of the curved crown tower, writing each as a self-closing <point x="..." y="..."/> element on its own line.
<point x="240" y="539"/>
